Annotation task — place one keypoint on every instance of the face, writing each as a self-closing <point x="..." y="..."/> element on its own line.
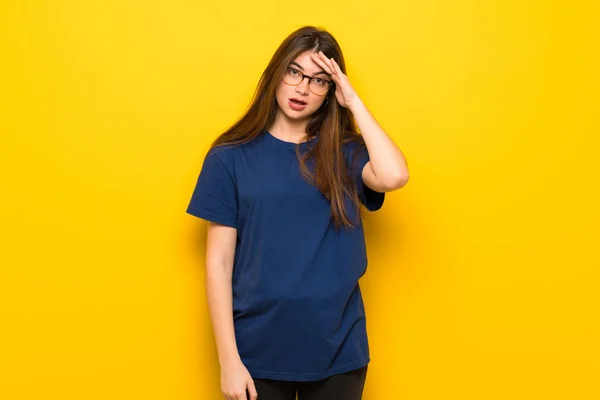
<point x="302" y="92"/>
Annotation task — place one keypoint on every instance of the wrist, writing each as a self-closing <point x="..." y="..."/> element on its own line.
<point x="355" y="104"/>
<point x="226" y="361"/>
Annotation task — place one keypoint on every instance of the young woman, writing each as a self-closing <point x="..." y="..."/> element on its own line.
<point x="282" y="190"/>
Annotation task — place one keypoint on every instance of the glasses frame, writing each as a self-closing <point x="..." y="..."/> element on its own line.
<point x="310" y="78"/>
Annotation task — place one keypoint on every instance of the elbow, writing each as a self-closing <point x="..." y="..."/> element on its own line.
<point x="397" y="181"/>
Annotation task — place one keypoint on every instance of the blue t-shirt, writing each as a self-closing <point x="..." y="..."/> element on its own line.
<point x="297" y="307"/>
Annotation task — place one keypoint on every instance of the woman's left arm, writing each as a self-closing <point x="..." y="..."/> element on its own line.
<point x="386" y="169"/>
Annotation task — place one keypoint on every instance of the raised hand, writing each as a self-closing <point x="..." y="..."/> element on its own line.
<point x="344" y="92"/>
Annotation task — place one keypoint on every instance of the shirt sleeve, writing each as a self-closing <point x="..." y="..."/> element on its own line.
<point x="370" y="198"/>
<point x="215" y="196"/>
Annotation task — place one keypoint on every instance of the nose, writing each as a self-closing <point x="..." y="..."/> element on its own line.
<point x="302" y="87"/>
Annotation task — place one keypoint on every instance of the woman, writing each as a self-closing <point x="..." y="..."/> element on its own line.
<point x="282" y="190"/>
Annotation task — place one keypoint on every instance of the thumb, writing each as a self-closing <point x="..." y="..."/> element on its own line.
<point x="252" y="390"/>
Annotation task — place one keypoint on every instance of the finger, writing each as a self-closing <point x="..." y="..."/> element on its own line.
<point x="336" y="67"/>
<point x="252" y="391"/>
<point x="322" y="64"/>
<point x="323" y="58"/>
<point x="327" y="61"/>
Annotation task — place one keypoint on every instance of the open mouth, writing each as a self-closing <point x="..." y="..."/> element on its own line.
<point x="298" y="102"/>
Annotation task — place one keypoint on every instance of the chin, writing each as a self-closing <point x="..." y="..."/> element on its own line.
<point x="299" y="117"/>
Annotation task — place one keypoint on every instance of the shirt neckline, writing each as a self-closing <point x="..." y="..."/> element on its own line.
<point x="286" y="144"/>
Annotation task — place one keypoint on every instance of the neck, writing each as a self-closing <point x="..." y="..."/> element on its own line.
<point x="288" y="129"/>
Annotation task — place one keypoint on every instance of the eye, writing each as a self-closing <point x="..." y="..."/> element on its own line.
<point x="294" y="71"/>
<point x="321" y="82"/>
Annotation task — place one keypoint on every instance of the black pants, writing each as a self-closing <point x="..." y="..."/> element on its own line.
<point x="344" y="386"/>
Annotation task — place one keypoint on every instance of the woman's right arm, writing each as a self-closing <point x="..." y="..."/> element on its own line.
<point x="220" y="251"/>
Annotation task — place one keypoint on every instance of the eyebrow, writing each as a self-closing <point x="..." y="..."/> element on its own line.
<point x="300" y="66"/>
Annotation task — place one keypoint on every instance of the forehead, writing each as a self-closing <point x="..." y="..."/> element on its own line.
<point x="305" y="61"/>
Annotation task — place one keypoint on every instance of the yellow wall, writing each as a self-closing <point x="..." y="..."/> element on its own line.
<point x="483" y="275"/>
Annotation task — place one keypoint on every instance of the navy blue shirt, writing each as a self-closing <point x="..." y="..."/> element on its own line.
<point x="297" y="307"/>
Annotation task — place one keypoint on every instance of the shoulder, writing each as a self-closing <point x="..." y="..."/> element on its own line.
<point x="353" y="145"/>
<point x="352" y="140"/>
<point x="223" y="153"/>
<point x="230" y="157"/>
<point x="219" y="161"/>
<point x="352" y="137"/>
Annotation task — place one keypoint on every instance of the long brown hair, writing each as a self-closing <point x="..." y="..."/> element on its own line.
<point x="333" y="123"/>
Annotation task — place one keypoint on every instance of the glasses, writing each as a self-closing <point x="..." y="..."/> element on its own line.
<point x="318" y="86"/>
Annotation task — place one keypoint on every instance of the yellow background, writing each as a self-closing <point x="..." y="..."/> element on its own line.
<point x="483" y="272"/>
